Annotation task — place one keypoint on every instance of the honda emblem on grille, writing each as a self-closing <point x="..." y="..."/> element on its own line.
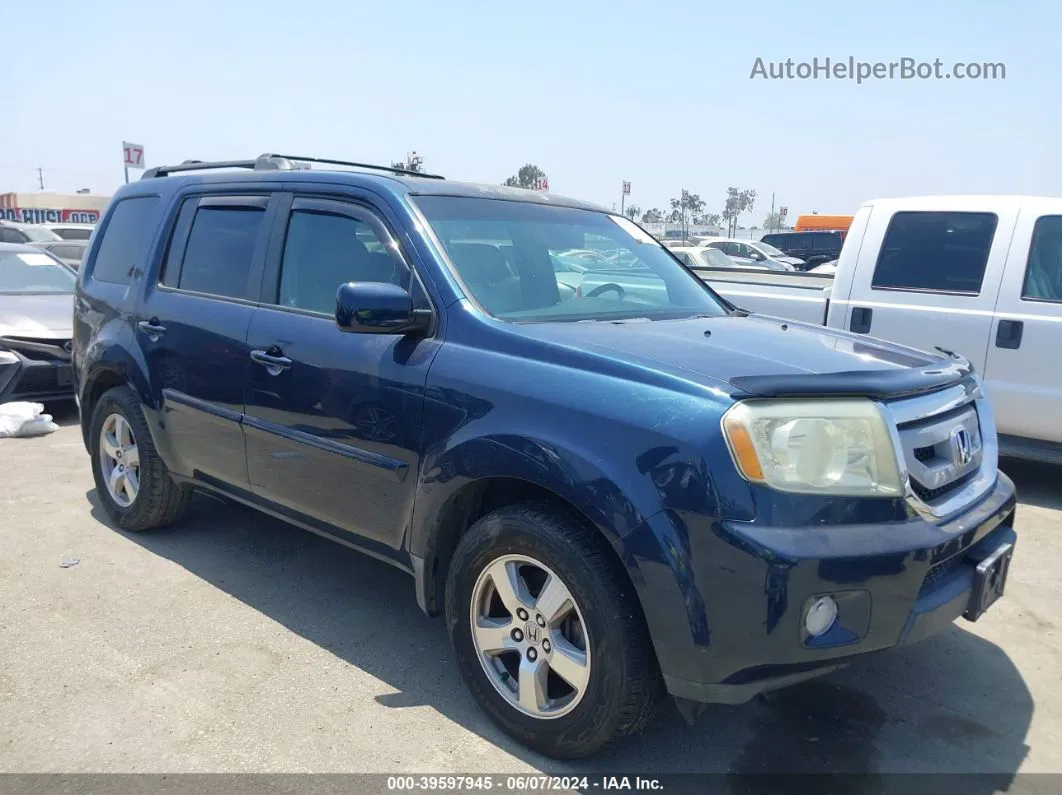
<point x="961" y="447"/>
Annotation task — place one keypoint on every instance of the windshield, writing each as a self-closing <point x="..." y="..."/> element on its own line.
<point x="717" y="259"/>
<point x="39" y="234"/>
<point x="23" y="272"/>
<point x="769" y="250"/>
<point x="505" y="254"/>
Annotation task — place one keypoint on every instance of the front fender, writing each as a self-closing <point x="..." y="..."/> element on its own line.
<point x="615" y="507"/>
<point x="652" y="546"/>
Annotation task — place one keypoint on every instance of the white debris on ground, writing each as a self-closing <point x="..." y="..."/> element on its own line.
<point x="25" y="419"/>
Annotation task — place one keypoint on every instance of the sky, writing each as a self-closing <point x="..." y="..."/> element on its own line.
<point x="594" y="93"/>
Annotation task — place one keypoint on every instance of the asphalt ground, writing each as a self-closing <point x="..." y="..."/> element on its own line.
<point x="236" y="643"/>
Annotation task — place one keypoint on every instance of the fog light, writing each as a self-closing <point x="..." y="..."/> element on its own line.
<point x="821" y="615"/>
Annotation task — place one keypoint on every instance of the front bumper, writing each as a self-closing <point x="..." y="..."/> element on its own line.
<point x="747" y="588"/>
<point x="34" y="377"/>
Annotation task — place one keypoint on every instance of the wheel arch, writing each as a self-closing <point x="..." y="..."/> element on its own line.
<point x="475" y="478"/>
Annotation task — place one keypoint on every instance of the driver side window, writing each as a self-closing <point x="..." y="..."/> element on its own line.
<point x="325" y="250"/>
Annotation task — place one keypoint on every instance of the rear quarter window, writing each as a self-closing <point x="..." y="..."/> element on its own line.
<point x="127" y="234"/>
<point x="1043" y="271"/>
<point x="942" y="252"/>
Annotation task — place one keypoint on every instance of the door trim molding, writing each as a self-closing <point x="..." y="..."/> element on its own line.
<point x="398" y="468"/>
<point x="174" y="396"/>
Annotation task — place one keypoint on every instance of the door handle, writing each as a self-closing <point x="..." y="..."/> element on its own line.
<point x="152" y="328"/>
<point x="273" y="361"/>
<point x="862" y="317"/>
<point x="1008" y="334"/>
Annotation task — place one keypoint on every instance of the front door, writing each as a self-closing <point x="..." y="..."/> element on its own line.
<point x="192" y="329"/>
<point x="1022" y="376"/>
<point x="334" y="418"/>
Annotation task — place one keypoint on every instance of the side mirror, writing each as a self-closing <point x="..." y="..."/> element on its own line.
<point x="378" y="308"/>
<point x="756" y="255"/>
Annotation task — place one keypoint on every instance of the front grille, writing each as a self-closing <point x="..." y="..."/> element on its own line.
<point x="931" y="495"/>
<point x="41" y="349"/>
<point x="941" y="572"/>
<point x="925" y="454"/>
<point x="43" y="381"/>
<point x="943" y="452"/>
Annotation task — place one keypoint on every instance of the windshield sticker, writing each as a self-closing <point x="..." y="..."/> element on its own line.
<point x="36" y="259"/>
<point x="632" y="229"/>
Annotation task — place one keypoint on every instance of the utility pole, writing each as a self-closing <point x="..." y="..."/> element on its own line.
<point x="774" y="221"/>
<point x="40" y="177"/>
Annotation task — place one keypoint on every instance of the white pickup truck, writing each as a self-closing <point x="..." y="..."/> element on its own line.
<point x="977" y="275"/>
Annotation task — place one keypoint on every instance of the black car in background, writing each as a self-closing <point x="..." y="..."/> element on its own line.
<point x="814" y="248"/>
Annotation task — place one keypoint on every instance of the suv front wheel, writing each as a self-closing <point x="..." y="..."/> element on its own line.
<point x="131" y="480"/>
<point x="547" y="631"/>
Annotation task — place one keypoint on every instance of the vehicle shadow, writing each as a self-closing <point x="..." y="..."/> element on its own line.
<point x="64" y="412"/>
<point x="954" y="703"/>
<point x="1037" y="484"/>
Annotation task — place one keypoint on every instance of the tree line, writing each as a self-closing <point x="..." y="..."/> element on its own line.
<point x="687" y="209"/>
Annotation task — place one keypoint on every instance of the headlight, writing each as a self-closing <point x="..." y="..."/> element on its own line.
<point x="6" y="357"/>
<point x="831" y="447"/>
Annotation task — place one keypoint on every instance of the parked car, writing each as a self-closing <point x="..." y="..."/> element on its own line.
<point x="708" y="257"/>
<point x="36" y="309"/>
<point x="11" y="232"/>
<point x="826" y="268"/>
<point x="71" y="231"/>
<point x="607" y="495"/>
<point x="754" y="252"/>
<point x="814" y="248"/>
<point x="979" y="275"/>
<point x="69" y="252"/>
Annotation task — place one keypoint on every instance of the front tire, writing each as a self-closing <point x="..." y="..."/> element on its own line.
<point x="547" y="632"/>
<point x="131" y="479"/>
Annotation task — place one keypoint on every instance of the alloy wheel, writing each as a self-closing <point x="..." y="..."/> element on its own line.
<point x="530" y="636"/>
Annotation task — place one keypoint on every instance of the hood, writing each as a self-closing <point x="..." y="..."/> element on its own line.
<point x="756" y="355"/>
<point x="43" y="316"/>
<point x="790" y="260"/>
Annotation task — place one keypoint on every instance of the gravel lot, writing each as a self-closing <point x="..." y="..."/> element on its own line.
<point x="236" y="643"/>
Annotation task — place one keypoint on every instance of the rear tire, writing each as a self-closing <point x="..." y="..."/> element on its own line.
<point x="601" y="625"/>
<point x="131" y="480"/>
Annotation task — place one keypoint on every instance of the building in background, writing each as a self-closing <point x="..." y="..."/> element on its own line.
<point x="45" y="207"/>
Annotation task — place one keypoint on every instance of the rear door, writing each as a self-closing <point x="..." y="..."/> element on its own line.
<point x="928" y="277"/>
<point x="1022" y="374"/>
<point x="334" y="418"/>
<point x="192" y="328"/>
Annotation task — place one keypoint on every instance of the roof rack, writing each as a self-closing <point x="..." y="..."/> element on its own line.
<point x="272" y="162"/>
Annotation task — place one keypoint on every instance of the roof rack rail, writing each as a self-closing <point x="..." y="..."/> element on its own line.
<point x="272" y="162"/>
<point x="329" y="161"/>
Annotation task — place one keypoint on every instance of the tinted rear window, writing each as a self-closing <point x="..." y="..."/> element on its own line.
<point x="68" y="252"/>
<point x="126" y="238"/>
<point x="827" y="240"/>
<point x="67" y="233"/>
<point x="935" y="251"/>
<point x="220" y="250"/>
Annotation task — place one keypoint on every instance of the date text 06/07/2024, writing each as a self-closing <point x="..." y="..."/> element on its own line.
<point x="521" y="783"/>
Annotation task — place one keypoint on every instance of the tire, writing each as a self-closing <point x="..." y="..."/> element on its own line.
<point x="623" y="684"/>
<point x="158" y="500"/>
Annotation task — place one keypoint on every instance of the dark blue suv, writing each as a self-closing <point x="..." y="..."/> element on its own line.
<point x="609" y="493"/>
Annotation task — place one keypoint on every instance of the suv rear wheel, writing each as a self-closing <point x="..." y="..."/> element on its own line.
<point x="547" y="632"/>
<point x="132" y="481"/>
